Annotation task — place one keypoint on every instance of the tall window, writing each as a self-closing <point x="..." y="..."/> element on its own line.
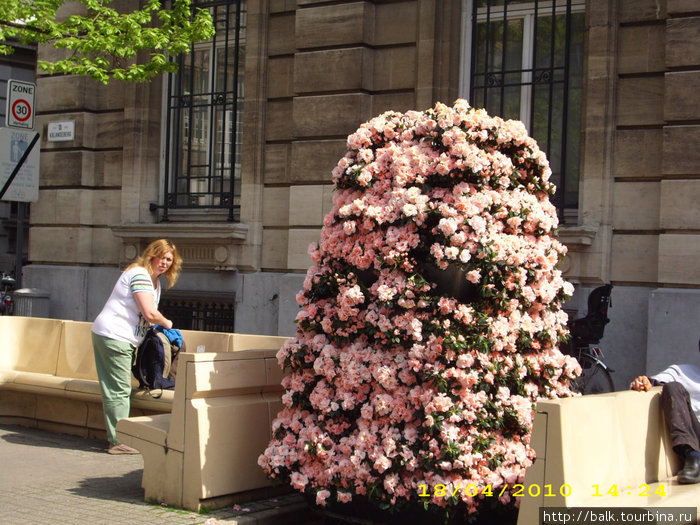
<point x="527" y="64"/>
<point x="204" y="110"/>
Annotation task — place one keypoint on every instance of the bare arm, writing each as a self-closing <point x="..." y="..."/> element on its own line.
<point x="149" y="311"/>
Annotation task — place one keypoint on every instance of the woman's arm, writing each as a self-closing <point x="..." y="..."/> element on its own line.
<point x="144" y="300"/>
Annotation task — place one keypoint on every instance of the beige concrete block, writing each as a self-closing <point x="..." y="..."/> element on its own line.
<point x="63" y="428"/>
<point x="639" y="10"/>
<point x="77" y="207"/>
<point x="682" y="48"/>
<point x="274" y="372"/>
<point x="306" y="206"/>
<point x="681" y="95"/>
<point x="328" y="194"/>
<point x="641" y="48"/>
<point x="278" y="120"/>
<point x="17" y="404"/>
<point x="210" y="341"/>
<point x="679" y="204"/>
<point x="92" y="130"/>
<point x="44" y="210"/>
<point x="640" y="101"/>
<point x="333" y="70"/>
<point x="81" y="168"/>
<point x="226" y="374"/>
<point x="219" y="459"/>
<point x="108" y="169"/>
<point x="598" y="54"/>
<point x="282" y="6"/>
<point x="393" y="101"/>
<point x="314" y="160"/>
<point x="63" y="168"/>
<point x="330" y="115"/>
<point x="101" y="207"/>
<point x="298" y="251"/>
<point x="74" y="93"/>
<point x="396" y="22"/>
<point x="679" y="7"/>
<point x="678" y="157"/>
<point x="637" y="153"/>
<point x="73" y="245"/>
<point x="75" y="356"/>
<point x="275" y="406"/>
<point x="61" y="410"/>
<point x="277" y="163"/>
<point x="276" y="206"/>
<point x="337" y="25"/>
<point x="281" y="37"/>
<point x="678" y="259"/>
<point x="104" y="247"/>
<point x="95" y="416"/>
<point x="280" y="77"/>
<point x="636" y="205"/>
<point x="274" y="249"/>
<point x="635" y="258"/>
<point x="29" y="344"/>
<point x="395" y="68"/>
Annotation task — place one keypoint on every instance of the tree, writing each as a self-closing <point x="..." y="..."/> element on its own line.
<point x="102" y="41"/>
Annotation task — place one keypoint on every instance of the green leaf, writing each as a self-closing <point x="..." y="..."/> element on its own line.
<point x="104" y="42"/>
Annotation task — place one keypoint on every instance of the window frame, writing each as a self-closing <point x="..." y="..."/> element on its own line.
<point x="178" y="103"/>
<point x="528" y="12"/>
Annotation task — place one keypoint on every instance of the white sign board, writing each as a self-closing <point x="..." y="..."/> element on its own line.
<point x="25" y="186"/>
<point x="20" y="104"/>
<point x="61" y="131"/>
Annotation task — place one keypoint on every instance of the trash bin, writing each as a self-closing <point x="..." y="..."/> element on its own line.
<point x="31" y="302"/>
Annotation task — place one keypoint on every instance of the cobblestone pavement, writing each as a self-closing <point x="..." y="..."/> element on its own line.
<point x="57" y="479"/>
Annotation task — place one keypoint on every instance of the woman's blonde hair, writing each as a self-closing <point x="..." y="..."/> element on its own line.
<point x="158" y="249"/>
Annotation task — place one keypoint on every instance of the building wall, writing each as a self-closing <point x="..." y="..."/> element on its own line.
<point x="655" y="167"/>
<point x="315" y="70"/>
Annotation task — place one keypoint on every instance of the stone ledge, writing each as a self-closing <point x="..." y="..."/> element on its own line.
<point x="577" y="238"/>
<point x="207" y="246"/>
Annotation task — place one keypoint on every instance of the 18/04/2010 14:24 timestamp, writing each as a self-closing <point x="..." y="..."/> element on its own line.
<point x="534" y="490"/>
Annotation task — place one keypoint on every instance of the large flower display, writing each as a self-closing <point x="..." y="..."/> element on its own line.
<point x="430" y="319"/>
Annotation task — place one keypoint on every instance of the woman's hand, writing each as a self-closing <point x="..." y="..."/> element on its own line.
<point x="641" y="384"/>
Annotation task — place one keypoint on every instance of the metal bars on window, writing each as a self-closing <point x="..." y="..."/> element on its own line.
<point x="527" y="64"/>
<point x="203" y="121"/>
<point x="200" y="311"/>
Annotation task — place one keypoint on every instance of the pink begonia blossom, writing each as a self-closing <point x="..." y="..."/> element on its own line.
<point x="395" y="381"/>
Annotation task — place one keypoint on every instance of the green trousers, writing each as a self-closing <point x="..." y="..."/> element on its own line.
<point x="113" y="361"/>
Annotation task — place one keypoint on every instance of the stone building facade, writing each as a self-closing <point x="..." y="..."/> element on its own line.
<point x="312" y="72"/>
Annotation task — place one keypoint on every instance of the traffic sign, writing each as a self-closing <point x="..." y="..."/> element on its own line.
<point x="24" y="186"/>
<point x="20" y="104"/>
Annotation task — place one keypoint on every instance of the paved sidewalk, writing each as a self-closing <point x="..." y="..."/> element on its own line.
<point x="57" y="479"/>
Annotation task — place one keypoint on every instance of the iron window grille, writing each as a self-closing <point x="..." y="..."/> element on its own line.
<point x="204" y="117"/>
<point x="193" y="311"/>
<point x="527" y="64"/>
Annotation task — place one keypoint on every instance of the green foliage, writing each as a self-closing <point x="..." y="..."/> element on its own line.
<point x="102" y="42"/>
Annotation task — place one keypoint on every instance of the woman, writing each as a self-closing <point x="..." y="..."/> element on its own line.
<point x="121" y="326"/>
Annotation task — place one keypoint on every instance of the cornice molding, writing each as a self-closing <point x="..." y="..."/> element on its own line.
<point x="205" y="246"/>
<point x="577" y="238"/>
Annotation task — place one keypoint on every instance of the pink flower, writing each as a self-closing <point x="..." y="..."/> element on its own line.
<point x="474" y="276"/>
<point x="322" y="496"/>
<point x="391" y="380"/>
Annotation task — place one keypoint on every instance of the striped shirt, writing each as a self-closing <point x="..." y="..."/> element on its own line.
<point x="121" y="318"/>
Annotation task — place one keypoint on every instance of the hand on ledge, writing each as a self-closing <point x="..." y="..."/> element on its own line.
<point x="641" y="384"/>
